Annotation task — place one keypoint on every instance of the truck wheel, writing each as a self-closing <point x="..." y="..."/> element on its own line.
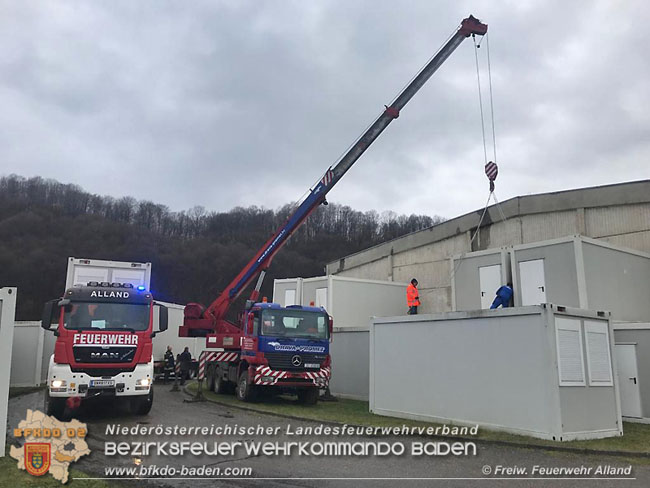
<point x="245" y="391"/>
<point x="141" y="405"/>
<point x="55" y="406"/>
<point x="308" y="396"/>
<point x="220" y="385"/>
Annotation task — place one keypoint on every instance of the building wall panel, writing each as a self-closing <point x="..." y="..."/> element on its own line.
<point x="618" y="219"/>
<point x="541" y="227"/>
<point x="433" y="252"/>
<point x="499" y="234"/>
<point x="636" y="240"/>
<point x="376" y="270"/>
<point x="434" y="300"/>
<point x="434" y="274"/>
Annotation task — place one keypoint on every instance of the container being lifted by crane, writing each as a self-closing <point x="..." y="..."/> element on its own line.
<point x="288" y="347"/>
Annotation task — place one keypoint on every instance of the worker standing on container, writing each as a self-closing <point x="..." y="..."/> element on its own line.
<point x="504" y="295"/>
<point x="169" y="363"/>
<point x="186" y="361"/>
<point x="413" y="297"/>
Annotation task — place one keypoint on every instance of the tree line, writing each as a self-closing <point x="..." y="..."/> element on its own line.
<point x="194" y="253"/>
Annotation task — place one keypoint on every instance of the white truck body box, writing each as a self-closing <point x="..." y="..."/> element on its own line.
<point x="81" y="271"/>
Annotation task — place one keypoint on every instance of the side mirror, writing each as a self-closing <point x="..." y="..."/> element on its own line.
<point x="331" y="326"/>
<point x="249" y="323"/>
<point x="48" y="311"/>
<point x="163" y="318"/>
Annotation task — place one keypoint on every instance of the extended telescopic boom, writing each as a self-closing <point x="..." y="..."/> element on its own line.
<point x="199" y="321"/>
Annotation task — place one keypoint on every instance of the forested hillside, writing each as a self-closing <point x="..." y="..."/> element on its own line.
<point x="194" y="253"/>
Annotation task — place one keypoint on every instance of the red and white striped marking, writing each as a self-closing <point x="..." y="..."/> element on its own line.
<point x="323" y="373"/>
<point x="265" y="371"/>
<point x="214" y="356"/>
<point x="329" y="176"/>
<point x="491" y="170"/>
<point x="261" y="371"/>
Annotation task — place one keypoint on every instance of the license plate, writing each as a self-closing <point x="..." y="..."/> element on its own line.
<point x="102" y="383"/>
<point x="312" y="365"/>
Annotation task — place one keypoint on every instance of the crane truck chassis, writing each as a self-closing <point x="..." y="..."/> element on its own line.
<point x="244" y="355"/>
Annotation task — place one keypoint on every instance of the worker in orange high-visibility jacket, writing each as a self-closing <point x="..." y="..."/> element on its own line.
<point x="413" y="297"/>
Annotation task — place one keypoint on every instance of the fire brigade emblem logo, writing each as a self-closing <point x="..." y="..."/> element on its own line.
<point x="37" y="458"/>
<point x="296" y="360"/>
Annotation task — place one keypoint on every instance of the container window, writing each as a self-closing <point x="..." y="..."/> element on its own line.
<point x="568" y="338"/>
<point x="599" y="361"/>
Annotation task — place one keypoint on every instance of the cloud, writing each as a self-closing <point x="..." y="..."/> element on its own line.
<point x="247" y="103"/>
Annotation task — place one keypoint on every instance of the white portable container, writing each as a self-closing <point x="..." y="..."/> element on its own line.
<point x="7" y="317"/>
<point x="81" y="271"/>
<point x="544" y="371"/>
<point x="586" y="273"/>
<point x="350" y="301"/>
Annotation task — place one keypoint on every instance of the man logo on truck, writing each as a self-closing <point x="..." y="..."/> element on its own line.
<point x="105" y="355"/>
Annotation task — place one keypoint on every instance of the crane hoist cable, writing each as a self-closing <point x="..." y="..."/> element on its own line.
<point x="491" y="168"/>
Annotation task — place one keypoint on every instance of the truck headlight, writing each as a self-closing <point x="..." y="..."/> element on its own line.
<point x="144" y="382"/>
<point x="57" y="384"/>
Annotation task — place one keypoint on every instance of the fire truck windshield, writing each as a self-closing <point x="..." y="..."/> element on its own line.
<point x="294" y="323"/>
<point x="106" y="316"/>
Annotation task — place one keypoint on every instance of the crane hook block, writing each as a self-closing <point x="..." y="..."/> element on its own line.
<point x="392" y="112"/>
<point x="491" y="170"/>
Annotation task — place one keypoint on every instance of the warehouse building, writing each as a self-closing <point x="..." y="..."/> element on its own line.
<point x="616" y="214"/>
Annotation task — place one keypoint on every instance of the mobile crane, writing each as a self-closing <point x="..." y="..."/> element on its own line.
<point x="288" y="347"/>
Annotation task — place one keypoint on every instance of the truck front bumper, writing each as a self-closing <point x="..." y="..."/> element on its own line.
<point x="265" y="376"/>
<point x="63" y="382"/>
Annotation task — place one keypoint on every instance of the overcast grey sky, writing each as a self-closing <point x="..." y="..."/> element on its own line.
<point x="225" y="103"/>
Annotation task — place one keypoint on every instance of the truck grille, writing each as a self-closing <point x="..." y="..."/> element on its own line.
<point x="99" y="372"/>
<point x="99" y="354"/>
<point x="283" y="360"/>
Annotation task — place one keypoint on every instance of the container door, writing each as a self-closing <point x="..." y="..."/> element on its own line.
<point x="489" y="281"/>
<point x="321" y="297"/>
<point x="533" y="282"/>
<point x="628" y="379"/>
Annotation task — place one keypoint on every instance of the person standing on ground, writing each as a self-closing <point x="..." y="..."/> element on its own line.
<point x="169" y="363"/>
<point x="504" y="295"/>
<point x="413" y="297"/>
<point x="186" y="361"/>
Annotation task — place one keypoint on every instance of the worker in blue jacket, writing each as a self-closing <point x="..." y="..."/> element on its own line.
<point x="504" y="295"/>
